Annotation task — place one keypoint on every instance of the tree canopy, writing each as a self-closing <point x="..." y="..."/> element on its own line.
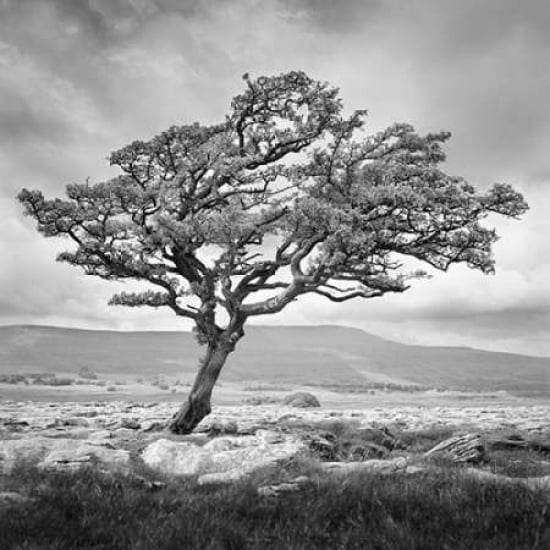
<point x="288" y="196"/>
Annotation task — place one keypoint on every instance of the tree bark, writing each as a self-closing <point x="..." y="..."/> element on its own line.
<point x="197" y="405"/>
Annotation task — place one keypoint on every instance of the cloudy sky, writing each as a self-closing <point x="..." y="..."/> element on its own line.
<point x="79" y="78"/>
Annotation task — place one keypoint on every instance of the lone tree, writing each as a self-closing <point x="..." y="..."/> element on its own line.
<point x="286" y="197"/>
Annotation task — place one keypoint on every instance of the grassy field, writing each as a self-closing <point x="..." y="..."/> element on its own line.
<point x="437" y="508"/>
<point x="430" y="510"/>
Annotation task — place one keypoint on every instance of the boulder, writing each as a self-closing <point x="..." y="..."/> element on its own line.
<point x="459" y="449"/>
<point x="301" y="399"/>
<point x="230" y="458"/>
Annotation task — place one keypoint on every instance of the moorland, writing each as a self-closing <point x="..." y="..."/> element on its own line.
<point x="411" y="447"/>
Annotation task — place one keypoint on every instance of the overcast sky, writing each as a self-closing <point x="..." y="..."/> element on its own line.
<point x="79" y="78"/>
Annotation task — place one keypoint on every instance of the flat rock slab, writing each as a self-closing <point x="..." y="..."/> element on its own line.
<point x="221" y="459"/>
<point x="60" y="453"/>
<point x="384" y="467"/>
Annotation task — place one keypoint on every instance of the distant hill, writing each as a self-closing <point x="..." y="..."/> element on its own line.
<point x="297" y="354"/>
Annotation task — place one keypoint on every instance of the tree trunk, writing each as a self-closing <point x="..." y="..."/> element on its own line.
<point x="197" y="405"/>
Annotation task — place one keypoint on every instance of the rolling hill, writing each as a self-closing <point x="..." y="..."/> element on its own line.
<point x="326" y="355"/>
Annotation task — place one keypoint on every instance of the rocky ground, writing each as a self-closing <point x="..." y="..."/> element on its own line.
<point x="68" y="435"/>
<point x="120" y="419"/>
<point x="281" y="451"/>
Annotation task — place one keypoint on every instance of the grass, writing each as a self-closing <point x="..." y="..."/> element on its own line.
<point x="429" y="510"/>
<point x="257" y="386"/>
<point x="518" y="463"/>
<point x="257" y="400"/>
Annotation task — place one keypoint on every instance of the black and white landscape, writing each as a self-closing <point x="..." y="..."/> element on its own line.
<point x="301" y="294"/>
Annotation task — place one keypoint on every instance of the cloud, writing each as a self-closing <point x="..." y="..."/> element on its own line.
<point x="81" y="78"/>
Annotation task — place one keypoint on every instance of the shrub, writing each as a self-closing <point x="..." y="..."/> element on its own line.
<point x="13" y="379"/>
<point x="265" y="387"/>
<point x="86" y="372"/>
<point x="260" y="400"/>
<point x="301" y="399"/>
<point x="54" y="381"/>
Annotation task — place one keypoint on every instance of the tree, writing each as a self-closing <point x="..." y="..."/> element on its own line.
<point x="286" y="197"/>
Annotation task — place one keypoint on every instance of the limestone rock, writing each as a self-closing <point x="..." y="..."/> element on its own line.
<point x="124" y="433"/>
<point x="302" y="400"/>
<point x="282" y="488"/>
<point x="14" y="450"/>
<point x="100" y="434"/>
<point x="384" y="467"/>
<point x="227" y="428"/>
<point x="221" y="477"/>
<point x="130" y="424"/>
<point x="231" y="457"/>
<point x="268" y="436"/>
<point x="276" y="490"/>
<point x="62" y="453"/>
<point x="459" y="449"/>
<point x="73" y="457"/>
<point x="153" y="424"/>
<point x="178" y="458"/>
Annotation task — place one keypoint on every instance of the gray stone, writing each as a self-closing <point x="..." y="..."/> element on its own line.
<point x="130" y="423"/>
<point x="282" y="488"/>
<point x="100" y="434"/>
<point x="76" y="456"/>
<point x="227" y="428"/>
<point x="234" y="457"/>
<point x="153" y="424"/>
<point x="50" y="452"/>
<point x="123" y="433"/>
<point x="459" y="449"/>
<point x="384" y="467"/>
<point x="220" y="477"/>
